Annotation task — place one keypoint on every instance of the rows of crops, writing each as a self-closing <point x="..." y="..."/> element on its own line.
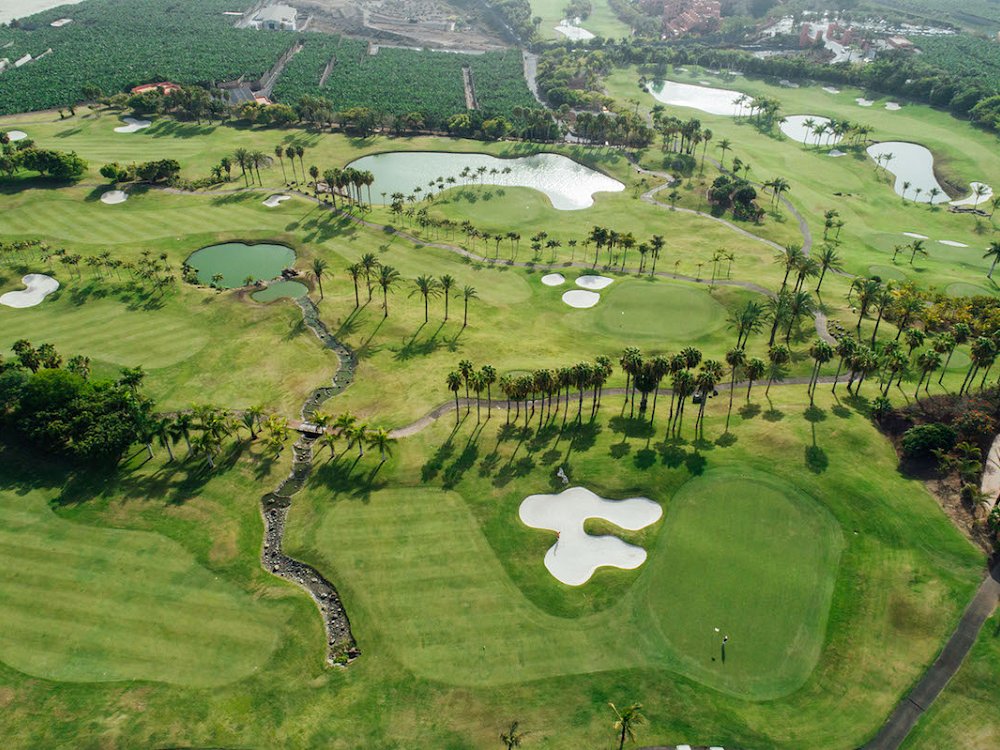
<point x="399" y="81"/>
<point x="114" y="44"/>
<point x="965" y="55"/>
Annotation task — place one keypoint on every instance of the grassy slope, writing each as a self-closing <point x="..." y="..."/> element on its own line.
<point x="90" y="604"/>
<point x="875" y="216"/>
<point x="601" y="22"/>
<point x="965" y="713"/>
<point x="402" y="553"/>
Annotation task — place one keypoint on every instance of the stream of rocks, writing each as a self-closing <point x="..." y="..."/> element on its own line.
<point x="275" y="506"/>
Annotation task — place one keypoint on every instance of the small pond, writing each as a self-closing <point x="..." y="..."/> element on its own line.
<point x="796" y="128"/>
<point x="911" y="163"/>
<point x="711" y="100"/>
<point x="237" y="260"/>
<point x="568" y="184"/>
<point x="281" y="290"/>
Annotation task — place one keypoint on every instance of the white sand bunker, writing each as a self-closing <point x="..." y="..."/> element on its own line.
<point x="916" y="236"/>
<point x="576" y="554"/>
<point x="276" y="200"/>
<point x="593" y="282"/>
<point x="39" y="286"/>
<point x="985" y="194"/>
<point x="113" y="197"/>
<point x="131" y="125"/>
<point x="831" y="90"/>
<point x="553" y="279"/>
<point x="573" y="30"/>
<point x="952" y="243"/>
<point x="16" y="135"/>
<point x="836" y="152"/>
<point x="581" y="299"/>
<point x="862" y="102"/>
<point x="893" y="106"/>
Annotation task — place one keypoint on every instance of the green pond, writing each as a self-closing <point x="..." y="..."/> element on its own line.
<point x="237" y="260"/>
<point x="281" y="290"/>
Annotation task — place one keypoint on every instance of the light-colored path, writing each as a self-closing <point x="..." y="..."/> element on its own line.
<point x="911" y="708"/>
<point x="990" y="485"/>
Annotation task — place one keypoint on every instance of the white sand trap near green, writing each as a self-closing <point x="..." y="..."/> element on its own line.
<point x="113" y="197"/>
<point x="836" y="152"/>
<point x="974" y="199"/>
<point x="800" y="128"/>
<point x="952" y="243"/>
<point x="576" y="554"/>
<point x="912" y="164"/>
<point x="39" y="286"/>
<point x="594" y="282"/>
<point x="581" y="299"/>
<point x="553" y="279"/>
<point x="893" y="106"/>
<point x="276" y="200"/>
<point x="831" y="90"/>
<point x="862" y="102"/>
<point x="916" y="236"/>
<point x="16" y="135"/>
<point x="711" y="100"/>
<point x="573" y="30"/>
<point x="132" y="125"/>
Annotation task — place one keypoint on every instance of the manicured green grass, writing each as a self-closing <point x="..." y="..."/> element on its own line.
<point x="964" y="715"/>
<point x="93" y="604"/>
<point x="727" y="529"/>
<point x="601" y="22"/>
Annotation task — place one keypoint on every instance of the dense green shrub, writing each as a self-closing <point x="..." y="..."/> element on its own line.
<point x="923" y="440"/>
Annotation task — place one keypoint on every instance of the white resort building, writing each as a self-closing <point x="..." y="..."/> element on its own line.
<point x="275" y="18"/>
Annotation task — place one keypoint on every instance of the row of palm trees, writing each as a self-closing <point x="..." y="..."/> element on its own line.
<point x="348" y="430"/>
<point x="205" y="429"/>
<point x="857" y="134"/>
<point x="371" y="272"/>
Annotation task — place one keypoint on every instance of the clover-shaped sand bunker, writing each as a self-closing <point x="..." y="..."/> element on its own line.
<point x="39" y="286"/>
<point x="576" y="554"/>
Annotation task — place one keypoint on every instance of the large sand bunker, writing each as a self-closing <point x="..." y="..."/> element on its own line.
<point x="276" y="200"/>
<point x="581" y="298"/>
<point x="593" y="282"/>
<point x="132" y="125"/>
<point x="553" y="279"/>
<point x="114" y="197"/>
<point x="576" y="554"/>
<point x="39" y="286"/>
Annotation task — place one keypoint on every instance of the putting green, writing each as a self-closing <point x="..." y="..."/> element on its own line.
<point x="963" y="289"/>
<point x="642" y="309"/>
<point x="88" y="604"/>
<point x="749" y="554"/>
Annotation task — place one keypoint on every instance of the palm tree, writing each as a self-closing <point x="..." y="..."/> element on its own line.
<point x="355" y="270"/>
<point x="357" y="435"/>
<point x="755" y="370"/>
<point x="388" y="277"/>
<point x="468" y="293"/>
<point x="447" y="283"/>
<point x="846" y="346"/>
<point x="724" y="145"/>
<point x="242" y="157"/>
<point x="706" y="380"/>
<point x="993" y="252"/>
<point x="512" y="737"/>
<point x="162" y="429"/>
<point x="319" y="268"/>
<point x="280" y="152"/>
<point x="944" y="343"/>
<point x="256" y="159"/>
<point x="369" y="264"/>
<point x="380" y="438"/>
<point x="682" y="386"/>
<point x="625" y="722"/>
<point x="426" y="287"/>
<point x="927" y="362"/>
<point x="478" y="384"/>
<point x="777" y="355"/>
<point x="828" y="260"/>
<point x="735" y="358"/>
<point x="454" y="383"/>
<point x="821" y="353"/>
<point x="489" y="374"/>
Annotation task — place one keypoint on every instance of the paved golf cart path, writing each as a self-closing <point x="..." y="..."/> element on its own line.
<point x="911" y="708"/>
